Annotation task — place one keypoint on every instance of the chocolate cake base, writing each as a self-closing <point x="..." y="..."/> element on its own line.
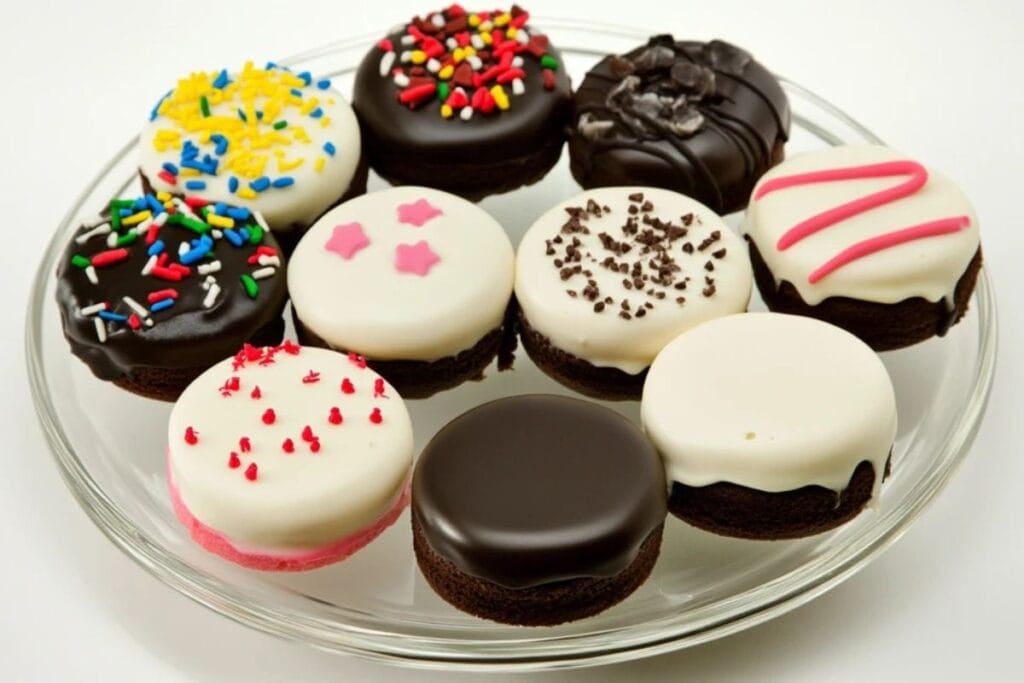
<point x="422" y="379"/>
<point x="610" y="384"/>
<point x="729" y="509"/>
<point x="166" y="384"/>
<point x="472" y="181"/>
<point x="883" y="327"/>
<point x="544" y="605"/>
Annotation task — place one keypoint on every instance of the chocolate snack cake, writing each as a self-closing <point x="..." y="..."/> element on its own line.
<point x="536" y="510"/>
<point x="474" y="103"/>
<point x="606" y="279"/>
<point x="161" y="288"/>
<point x="867" y="239"/>
<point x="416" y="280"/>
<point x="703" y="119"/>
<point x="770" y="426"/>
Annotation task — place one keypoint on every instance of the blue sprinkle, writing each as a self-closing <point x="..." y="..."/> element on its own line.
<point x="329" y="148"/>
<point x="239" y="213"/>
<point x="324" y="84"/>
<point x="125" y="212"/>
<point x="194" y="254"/>
<point x="195" y="185"/>
<point x="306" y="77"/>
<point x="208" y="165"/>
<point x="154" y="205"/>
<point x="170" y="168"/>
<point x="296" y="92"/>
<point x="283" y="181"/>
<point x="222" y="79"/>
<point x="241" y="115"/>
<point x="206" y="240"/>
<point x="234" y="237"/>
<point x="154" y="113"/>
<point x="316" y="113"/>
<point x="221" y="142"/>
<point x="259" y="115"/>
<point x="244" y="232"/>
<point x="220" y="208"/>
<point x="155" y="248"/>
<point x="158" y="306"/>
<point x="271" y="65"/>
<point x="232" y="184"/>
<point x="140" y="203"/>
<point x="260" y="184"/>
<point x="114" y="317"/>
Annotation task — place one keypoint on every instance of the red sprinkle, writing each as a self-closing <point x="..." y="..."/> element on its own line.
<point x="196" y="202"/>
<point x="511" y="75"/>
<point x="233" y="383"/>
<point x="520" y="20"/>
<point x="151" y="233"/>
<point x="234" y="462"/>
<point x="375" y="417"/>
<point x="167" y="178"/>
<point x="385" y="45"/>
<point x="288" y="446"/>
<point x="347" y="386"/>
<point x="314" y="445"/>
<point x="357" y="360"/>
<point x="456" y="10"/>
<point x="256" y="393"/>
<point x="191" y="436"/>
<point x="250" y="472"/>
<point x="549" y="79"/>
<point x="166" y="274"/>
<point x="432" y="47"/>
<point x="106" y="258"/>
<point x="268" y="251"/>
<point x="162" y="294"/>
<point x="311" y="377"/>
<point x="269" y="416"/>
<point x="378" y="388"/>
<point x="334" y="417"/>
<point x="417" y="94"/>
<point x="245" y="444"/>
<point x="134" y="322"/>
<point x="290" y="347"/>
<point x="307" y="434"/>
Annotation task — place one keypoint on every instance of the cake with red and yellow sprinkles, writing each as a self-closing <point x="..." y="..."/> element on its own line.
<point x="474" y="103"/>
<point x="283" y="143"/>
<point x="159" y="288"/>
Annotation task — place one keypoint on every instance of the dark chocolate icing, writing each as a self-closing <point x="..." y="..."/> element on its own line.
<point x="393" y="131"/>
<point x="186" y="335"/>
<point x="529" y="490"/>
<point x="703" y="119"/>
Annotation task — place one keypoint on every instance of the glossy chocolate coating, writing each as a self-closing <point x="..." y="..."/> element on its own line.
<point x="745" y="121"/>
<point x="528" y="490"/>
<point x="186" y="335"/>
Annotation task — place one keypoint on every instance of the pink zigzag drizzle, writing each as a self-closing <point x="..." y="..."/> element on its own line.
<point x="918" y="177"/>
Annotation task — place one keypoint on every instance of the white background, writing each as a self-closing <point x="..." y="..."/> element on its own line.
<point x="942" y="81"/>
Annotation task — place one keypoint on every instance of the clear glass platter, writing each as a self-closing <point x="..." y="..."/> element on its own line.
<point x="109" y="446"/>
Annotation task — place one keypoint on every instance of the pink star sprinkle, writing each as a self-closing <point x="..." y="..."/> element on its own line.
<point x="347" y="239"/>
<point x="417" y="213"/>
<point x="416" y="258"/>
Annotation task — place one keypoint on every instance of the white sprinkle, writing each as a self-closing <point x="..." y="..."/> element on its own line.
<point x="387" y="60"/>
<point x="184" y="208"/>
<point x="401" y="80"/>
<point x="112" y="240"/>
<point x="517" y="62"/>
<point x="522" y="37"/>
<point x="477" y="41"/>
<point x="451" y="44"/>
<point x="101" y="229"/>
<point x="262" y="273"/>
<point x="94" y="309"/>
<point x="101" y="329"/>
<point x="210" y="280"/>
<point x="139" y="309"/>
<point x="466" y="113"/>
<point x="433" y="66"/>
<point x="149" y="322"/>
<point x="150" y="265"/>
<point x="408" y="40"/>
<point x="183" y="248"/>
<point x="475" y="62"/>
<point x="485" y="26"/>
<point x="142" y="228"/>
<point x="161" y="219"/>
<point x="406" y="56"/>
<point x="211" y="295"/>
<point x="216" y="234"/>
<point x="90" y="273"/>
<point x="207" y="268"/>
<point x="260" y="221"/>
<point x="437" y="20"/>
<point x="265" y="260"/>
<point x="517" y="86"/>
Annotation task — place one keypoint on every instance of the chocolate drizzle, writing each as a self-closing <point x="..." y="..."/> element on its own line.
<point x="702" y="118"/>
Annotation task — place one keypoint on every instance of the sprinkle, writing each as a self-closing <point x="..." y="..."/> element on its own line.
<point x="204" y="105"/>
<point x="234" y="237"/>
<point x="101" y="330"/>
<point x="251" y="472"/>
<point x="150" y="265"/>
<point x="387" y="60"/>
<point x="517" y="87"/>
<point x="269" y="416"/>
<point x="375" y="416"/>
<point x="307" y="433"/>
<point x="195" y="185"/>
<point x="311" y="377"/>
<point x="167" y="178"/>
<point x="222" y="80"/>
<point x="90" y="273"/>
<point x="549" y="79"/>
<point x="314" y="446"/>
<point x="191" y="436"/>
<point x="378" y="388"/>
<point x="93" y="309"/>
<point x="220" y="221"/>
<point x="134" y="322"/>
<point x="255" y="234"/>
<point x="549" y="62"/>
<point x="334" y="417"/>
<point x="109" y="257"/>
<point x="162" y="294"/>
<point x="79" y="261"/>
<point x="283" y="181"/>
<point x="232" y="184"/>
<point x="102" y="229"/>
<point x="250" y="286"/>
<point x="323" y="84"/>
<point x="260" y="184"/>
<point x="347" y="387"/>
<point x="233" y="461"/>
<point x="262" y="273"/>
<point x="207" y="268"/>
<point x="401" y="80"/>
<point x="256" y="394"/>
<point x="288" y="446"/>
<point x="329" y="148"/>
<point x="357" y="360"/>
<point x="319" y="165"/>
<point x="112" y="317"/>
<point x="385" y="45"/>
<point x="161" y="305"/>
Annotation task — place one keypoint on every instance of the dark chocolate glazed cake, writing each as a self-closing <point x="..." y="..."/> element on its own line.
<point x="703" y="119"/>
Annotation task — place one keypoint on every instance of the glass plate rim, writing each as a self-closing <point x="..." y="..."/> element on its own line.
<point x="565" y="651"/>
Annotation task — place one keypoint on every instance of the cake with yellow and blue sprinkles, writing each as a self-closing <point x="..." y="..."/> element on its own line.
<point x="159" y="288"/>
<point x="283" y="143"/>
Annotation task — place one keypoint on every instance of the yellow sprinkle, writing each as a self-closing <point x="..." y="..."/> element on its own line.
<point x="486" y="37"/>
<point x="458" y="54"/>
<point x="136" y="218"/>
<point x="474" y="20"/>
<point x="511" y="32"/>
<point x="446" y="72"/>
<point x="502" y="19"/>
<point x="188" y="172"/>
<point x="246" y="193"/>
<point x="220" y="221"/>
<point x="163" y="196"/>
<point x="468" y="51"/>
<point x="500" y="98"/>
<point x="446" y="111"/>
<point x="325" y="121"/>
<point x="299" y="133"/>
<point x="169" y="205"/>
<point x="485" y="26"/>
<point x="319" y="165"/>
<point x="309" y="105"/>
<point x="418" y="56"/>
<point x="285" y="166"/>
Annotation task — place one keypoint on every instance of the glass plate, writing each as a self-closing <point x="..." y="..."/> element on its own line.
<point x="109" y="446"/>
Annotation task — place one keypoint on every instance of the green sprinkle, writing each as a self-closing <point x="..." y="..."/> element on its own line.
<point x="255" y="234"/>
<point x="80" y="261"/>
<point x="442" y="91"/>
<point x="174" y="219"/>
<point x="204" y="105"/>
<point x="280" y="124"/>
<point x="250" y="286"/>
<point x="549" y="62"/>
<point x="127" y="238"/>
<point x="193" y="224"/>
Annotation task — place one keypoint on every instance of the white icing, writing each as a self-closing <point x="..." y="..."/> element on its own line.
<point x="928" y="268"/>
<point x="301" y="500"/>
<point x="604" y="339"/>
<point x="365" y="304"/>
<point x="282" y="208"/>
<point x="769" y="401"/>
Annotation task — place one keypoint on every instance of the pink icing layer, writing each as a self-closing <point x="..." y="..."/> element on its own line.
<point x="216" y="543"/>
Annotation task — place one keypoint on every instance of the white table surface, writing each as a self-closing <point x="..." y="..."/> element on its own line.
<point x="943" y="83"/>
